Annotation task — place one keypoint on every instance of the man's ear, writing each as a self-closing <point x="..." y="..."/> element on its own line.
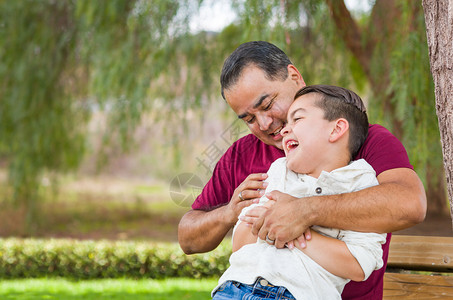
<point x="294" y="74"/>
<point x="339" y="129"/>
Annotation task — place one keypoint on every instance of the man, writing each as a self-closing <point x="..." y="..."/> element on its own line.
<point x="259" y="83"/>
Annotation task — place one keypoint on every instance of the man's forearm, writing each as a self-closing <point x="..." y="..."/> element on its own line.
<point x="397" y="203"/>
<point x="202" y="231"/>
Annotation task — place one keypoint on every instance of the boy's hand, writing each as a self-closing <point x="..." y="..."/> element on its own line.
<point x="255" y="213"/>
<point x="300" y="242"/>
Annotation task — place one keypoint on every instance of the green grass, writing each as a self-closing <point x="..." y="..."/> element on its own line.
<point x="124" y="289"/>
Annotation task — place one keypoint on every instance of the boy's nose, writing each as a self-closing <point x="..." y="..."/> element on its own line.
<point x="285" y="130"/>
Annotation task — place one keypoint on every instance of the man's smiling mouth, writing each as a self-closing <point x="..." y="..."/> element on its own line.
<point x="277" y="132"/>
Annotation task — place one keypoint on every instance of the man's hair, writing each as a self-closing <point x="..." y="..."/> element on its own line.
<point x="338" y="102"/>
<point x="263" y="55"/>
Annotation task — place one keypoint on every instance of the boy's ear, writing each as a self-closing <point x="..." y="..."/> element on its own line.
<point x="341" y="126"/>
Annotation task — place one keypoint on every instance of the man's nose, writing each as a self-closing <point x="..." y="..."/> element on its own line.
<point x="264" y="122"/>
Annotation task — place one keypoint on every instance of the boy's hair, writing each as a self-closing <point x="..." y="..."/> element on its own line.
<point x="263" y="55"/>
<point x="338" y="102"/>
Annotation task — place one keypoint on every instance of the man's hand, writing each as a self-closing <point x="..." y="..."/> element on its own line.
<point x="202" y="231"/>
<point x="248" y="192"/>
<point x="281" y="222"/>
<point x="257" y="212"/>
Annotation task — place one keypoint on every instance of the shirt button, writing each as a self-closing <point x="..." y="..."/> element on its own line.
<point x="263" y="282"/>
<point x="318" y="190"/>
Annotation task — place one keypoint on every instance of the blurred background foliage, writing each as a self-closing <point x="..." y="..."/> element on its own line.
<point x="64" y="62"/>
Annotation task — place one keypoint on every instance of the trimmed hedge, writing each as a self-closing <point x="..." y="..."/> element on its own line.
<point x="31" y="258"/>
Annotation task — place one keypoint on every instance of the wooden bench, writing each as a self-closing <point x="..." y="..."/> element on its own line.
<point x="432" y="255"/>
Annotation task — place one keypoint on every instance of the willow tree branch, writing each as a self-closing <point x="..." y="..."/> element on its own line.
<point x="350" y="33"/>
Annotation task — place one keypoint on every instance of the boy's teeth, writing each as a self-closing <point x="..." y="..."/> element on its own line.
<point x="291" y="144"/>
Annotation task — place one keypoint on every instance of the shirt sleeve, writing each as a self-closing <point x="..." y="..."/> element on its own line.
<point x="220" y="187"/>
<point x="383" y="151"/>
<point x="366" y="248"/>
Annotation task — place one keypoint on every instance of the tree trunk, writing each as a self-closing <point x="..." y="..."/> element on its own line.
<point x="439" y="30"/>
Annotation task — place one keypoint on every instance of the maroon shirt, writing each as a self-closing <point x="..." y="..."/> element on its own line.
<point x="381" y="150"/>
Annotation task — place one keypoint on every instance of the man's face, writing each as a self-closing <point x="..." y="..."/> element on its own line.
<point x="262" y="103"/>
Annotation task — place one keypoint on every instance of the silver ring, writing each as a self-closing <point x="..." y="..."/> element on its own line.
<point x="269" y="241"/>
<point x="240" y="196"/>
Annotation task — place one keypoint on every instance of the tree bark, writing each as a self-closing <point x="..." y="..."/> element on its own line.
<point x="439" y="31"/>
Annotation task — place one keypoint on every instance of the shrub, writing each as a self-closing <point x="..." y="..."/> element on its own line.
<point x="27" y="258"/>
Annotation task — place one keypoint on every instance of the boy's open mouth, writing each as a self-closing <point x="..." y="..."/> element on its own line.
<point x="291" y="144"/>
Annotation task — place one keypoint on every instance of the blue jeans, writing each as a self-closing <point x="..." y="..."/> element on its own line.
<point x="261" y="289"/>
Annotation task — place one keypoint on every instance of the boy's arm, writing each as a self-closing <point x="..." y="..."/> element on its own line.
<point x="242" y="236"/>
<point x="333" y="255"/>
<point x="243" y="232"/>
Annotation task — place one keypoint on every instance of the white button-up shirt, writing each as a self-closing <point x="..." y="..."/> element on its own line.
<point x="293" y="269"/>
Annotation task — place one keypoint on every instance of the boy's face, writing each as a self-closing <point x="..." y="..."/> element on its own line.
<point x="262" y="103"/>
<point x="306" y="136"/>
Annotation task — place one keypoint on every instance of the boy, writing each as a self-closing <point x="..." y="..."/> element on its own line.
<point x="326" y="127"/>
